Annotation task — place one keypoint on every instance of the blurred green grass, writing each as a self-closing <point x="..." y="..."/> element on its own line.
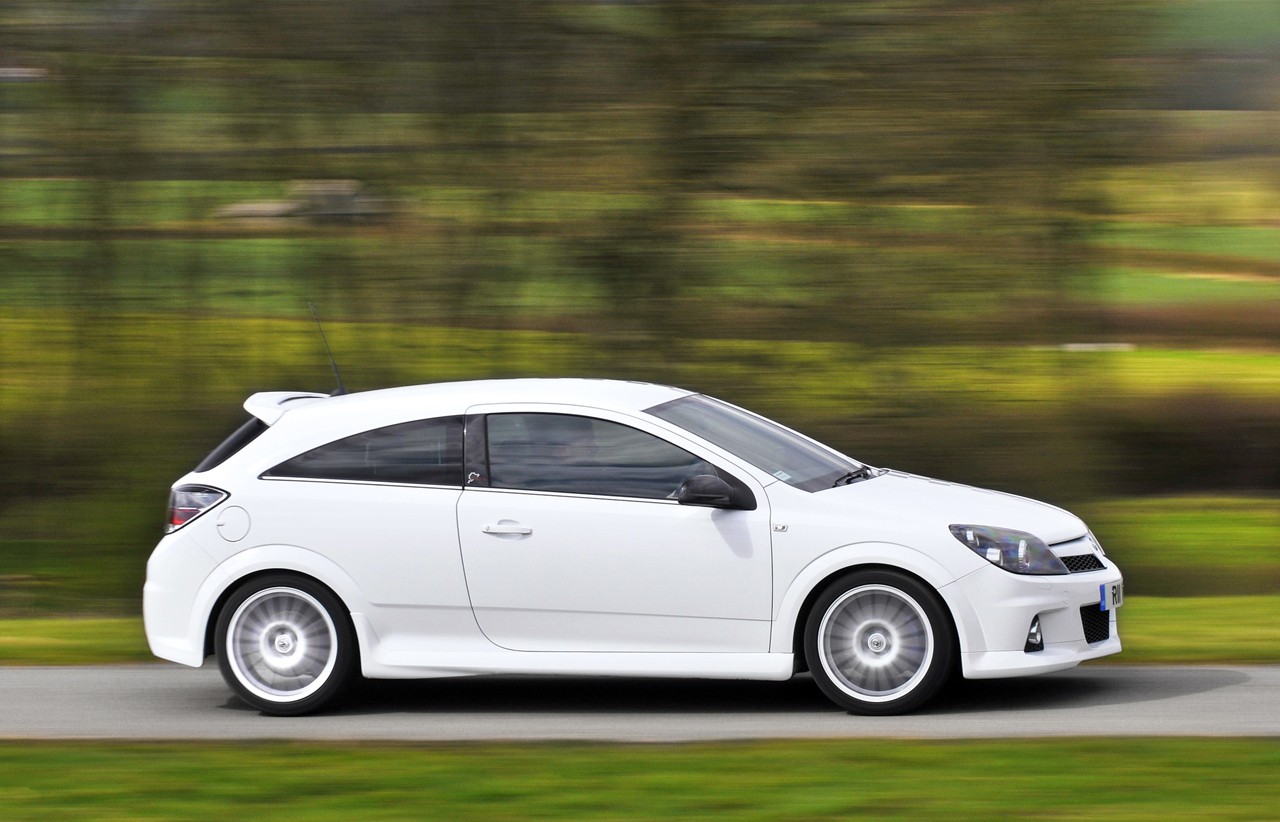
<point x="843" y="376"/>
<point x="1257" y="242"/>
<point x="73" y="641"/>
<point x="882" y="779"/>
<point x="1192" y="545"/>
<point x="1230" y="186"/>
<point x="1225" y="630"/>
<point x="1150" y="372"/>
<point x="1137" y="287"/>
<point x="1235" y="25"/>
<point x="1195" y="532"/>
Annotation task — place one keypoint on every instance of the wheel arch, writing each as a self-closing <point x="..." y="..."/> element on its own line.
<point x="211" y="622"/>
<point x="291" y="560"/>
<point x="808" y="585"/>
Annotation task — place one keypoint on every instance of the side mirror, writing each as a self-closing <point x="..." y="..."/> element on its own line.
<point x="712" y="491"/>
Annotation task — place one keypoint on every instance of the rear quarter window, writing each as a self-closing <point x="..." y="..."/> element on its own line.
<point x="423" y="452"/>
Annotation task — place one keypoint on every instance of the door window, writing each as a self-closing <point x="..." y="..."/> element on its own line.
<point x="585" y="455"/>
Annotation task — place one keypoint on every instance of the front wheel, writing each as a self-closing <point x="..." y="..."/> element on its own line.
<point x="879" y="643"/>
<point x="284" y="644"/>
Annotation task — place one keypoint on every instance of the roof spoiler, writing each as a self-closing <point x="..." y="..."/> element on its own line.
<point x="270" y="406"/>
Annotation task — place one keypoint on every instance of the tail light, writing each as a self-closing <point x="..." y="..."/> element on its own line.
<point x="186" y="502"/>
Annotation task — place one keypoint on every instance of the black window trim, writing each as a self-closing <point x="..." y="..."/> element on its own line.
<point x="475" y="451"/>
<point x="539" y="492"/>
<point x="339" y="481"/>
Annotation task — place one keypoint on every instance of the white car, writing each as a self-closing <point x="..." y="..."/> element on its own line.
<point x="567" y="526"/>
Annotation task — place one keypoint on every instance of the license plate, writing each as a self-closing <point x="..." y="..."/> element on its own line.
<point x="1111" y="596"/>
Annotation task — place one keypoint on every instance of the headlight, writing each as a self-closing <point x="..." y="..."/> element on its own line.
<point x="1014" y="551"/>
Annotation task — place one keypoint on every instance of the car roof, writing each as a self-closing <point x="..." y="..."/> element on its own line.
<point x="451" y="398"/>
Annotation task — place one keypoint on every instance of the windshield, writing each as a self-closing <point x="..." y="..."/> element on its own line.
<point x="794" y="459"/>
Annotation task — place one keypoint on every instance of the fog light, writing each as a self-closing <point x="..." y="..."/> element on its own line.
<point x="1035" y="640"/>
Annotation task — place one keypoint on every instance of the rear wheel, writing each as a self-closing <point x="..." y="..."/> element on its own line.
<point x="285" y="645"/>
<point x="879" y="643"/>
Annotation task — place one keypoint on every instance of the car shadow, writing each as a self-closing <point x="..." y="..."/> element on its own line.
<point x="578" y="695"/>
<point x="1080" y="688"/>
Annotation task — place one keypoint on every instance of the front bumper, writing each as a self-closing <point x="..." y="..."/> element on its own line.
<point x="994" y="610"/>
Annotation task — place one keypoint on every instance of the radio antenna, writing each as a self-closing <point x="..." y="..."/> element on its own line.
<point x="342" y="389"/>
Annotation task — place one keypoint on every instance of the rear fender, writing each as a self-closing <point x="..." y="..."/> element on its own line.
<point x="277" y="558"/>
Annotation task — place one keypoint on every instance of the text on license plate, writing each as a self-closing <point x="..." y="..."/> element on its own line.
<point x="1111" y="595"/>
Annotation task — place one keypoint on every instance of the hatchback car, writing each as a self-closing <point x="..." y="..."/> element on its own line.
<point x="566" y="526"/>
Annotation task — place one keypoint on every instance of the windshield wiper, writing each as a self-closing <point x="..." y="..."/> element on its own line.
<point x="861" y="473"/>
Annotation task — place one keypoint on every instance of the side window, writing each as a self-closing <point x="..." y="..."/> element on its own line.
<point x="583" y="455"/>
<point x="425" y="452"/>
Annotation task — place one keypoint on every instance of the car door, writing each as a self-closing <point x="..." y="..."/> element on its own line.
<point x="571" y="540"/>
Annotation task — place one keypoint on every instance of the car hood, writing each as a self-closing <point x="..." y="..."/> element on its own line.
<point x="946" y="503"/>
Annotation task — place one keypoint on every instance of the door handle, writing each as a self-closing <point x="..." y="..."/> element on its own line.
<point x="506" y="529"/>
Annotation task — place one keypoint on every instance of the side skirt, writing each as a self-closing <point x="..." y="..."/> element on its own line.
<point x="426" y="665"/>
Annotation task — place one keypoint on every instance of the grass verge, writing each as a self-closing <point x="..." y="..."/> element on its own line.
<point x="70" y="641"/>
<point x="1138" y="779"/>
<point x="1192" y="545"/>
<point x="1163" y="630"/>
<point x="1203" y="630"/>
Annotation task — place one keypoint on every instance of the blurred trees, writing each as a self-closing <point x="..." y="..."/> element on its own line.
<point x="917" y="181"/>
<point x="610" y="166"/>
<point x="1003" y="110"/>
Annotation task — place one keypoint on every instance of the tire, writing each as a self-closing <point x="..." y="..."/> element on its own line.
<point x="879" y="643"/>
<point x="285" y="644"/>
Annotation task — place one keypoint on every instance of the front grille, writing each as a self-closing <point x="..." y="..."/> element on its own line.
<point x="1096" y="622"/>
<point x="1082" y="562"/>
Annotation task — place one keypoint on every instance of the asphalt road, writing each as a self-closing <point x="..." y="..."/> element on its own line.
<point x="165" y="701"/>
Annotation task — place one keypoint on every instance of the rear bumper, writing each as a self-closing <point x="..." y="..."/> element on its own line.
<point x="175" y="630"/>
<point x="183" y="646"/>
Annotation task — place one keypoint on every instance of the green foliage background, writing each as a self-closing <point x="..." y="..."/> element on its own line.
<point x="1030" y="245"/>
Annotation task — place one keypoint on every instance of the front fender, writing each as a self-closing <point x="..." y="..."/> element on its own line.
<point x="794" y="598"/>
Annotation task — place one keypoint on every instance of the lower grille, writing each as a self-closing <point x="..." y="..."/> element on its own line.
<point x="1082" y="562"/>
<point x="1096" y="622"/>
